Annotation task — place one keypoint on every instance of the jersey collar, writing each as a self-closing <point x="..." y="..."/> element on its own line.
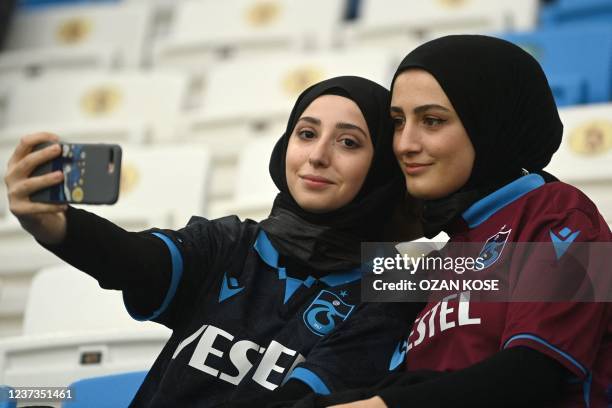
<point x="484" y="208"/>
<point x="269" y="255"/>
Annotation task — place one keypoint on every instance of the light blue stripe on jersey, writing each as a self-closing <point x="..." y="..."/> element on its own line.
<point x="310" y="379"/>
<point x="266" y="251"/>
<point x="481" y="210"/>
<point x="177" y="273"/>
<point x="587" y="381"/>
<point x="548" y="345"/>
<point x="586" y="386"/>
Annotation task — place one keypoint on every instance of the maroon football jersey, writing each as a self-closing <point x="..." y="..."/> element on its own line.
<point x="455" y="333"/>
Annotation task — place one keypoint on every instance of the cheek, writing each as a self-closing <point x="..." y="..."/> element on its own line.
<point x="294" y="158"/>
<point x="355" y="171"/>
<point x="396" y="141"/>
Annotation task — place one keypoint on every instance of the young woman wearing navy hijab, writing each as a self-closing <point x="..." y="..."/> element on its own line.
<point x="257" y="310"/>
<point x="475" y="124"/>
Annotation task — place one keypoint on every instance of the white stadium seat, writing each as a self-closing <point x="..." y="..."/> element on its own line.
<point x="80" y="331"/>
<point x="254" y="190"/>
<point x="258" y="94"/>
<point x="389" y="22"/>
<point x="5" y="154"/>
<point x="19" y="252"/>
<point x="204" y="31"/>
<point x="82" y="36"/>
<point x="21" y="257"/>
<point x="585" y="156"/>
<point x="125" y="107"/>
<point x="45" y="60"/>
<point x="161" y="186"/>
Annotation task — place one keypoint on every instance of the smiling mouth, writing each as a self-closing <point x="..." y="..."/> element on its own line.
<point x="415" y="168"/>
<point x="316" y="181"/>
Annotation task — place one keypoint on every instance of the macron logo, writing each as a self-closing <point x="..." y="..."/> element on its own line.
<point x="562" y="241"/>
<point x="229" y="288"/>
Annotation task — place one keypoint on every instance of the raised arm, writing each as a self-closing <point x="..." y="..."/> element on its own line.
<point x="118" y="259"/>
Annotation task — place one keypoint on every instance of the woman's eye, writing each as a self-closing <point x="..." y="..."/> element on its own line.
<point x="432" y="122"/>
<point x="306" y="134"/>
<point x="398" y="122"/>
<point x="350" y="143"/>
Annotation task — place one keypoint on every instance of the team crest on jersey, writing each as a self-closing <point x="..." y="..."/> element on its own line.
<point x="325" y="312"/>
<point x="493" y="248"/>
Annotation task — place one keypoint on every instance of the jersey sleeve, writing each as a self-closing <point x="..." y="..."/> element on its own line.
<point x="195" y="252"/>
<point x="360" y="352"/>
<point x="568" y="331"/>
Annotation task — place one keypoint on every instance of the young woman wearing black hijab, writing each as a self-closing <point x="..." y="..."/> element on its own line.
<point x="252" y="305"/>
<point x="475" y="124"/>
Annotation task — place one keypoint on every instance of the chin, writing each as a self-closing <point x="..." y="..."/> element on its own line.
<point x="422" y="193"/>
<point x="313" y="205"/>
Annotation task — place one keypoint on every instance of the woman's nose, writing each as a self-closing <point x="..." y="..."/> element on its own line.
<point x="407" y="141"/>
<point x="320" y="153"/>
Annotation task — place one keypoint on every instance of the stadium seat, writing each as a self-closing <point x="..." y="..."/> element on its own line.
<point x="73" y="329"/>
<point x="93" y="392"/>
<point x="204" y="31"/>
<point x="563" y="12"/>
<point x="83" y="35"/>
<point x="585" y="156"/>
<point x="254" y="190"/>
<point x="127" y="107"/>
<point x="4" y="398"/>
<point x="161" y="186"/>
<point x="235" y="105"/>
<point x="21" y="257"/>
<point x="395" y="22"/>
<point x="7" y="84"/>
<point x="45" y="60"/>
<point x="53" y="3"/>
<point x="577" y="60"/>
<point x="5" y="154"/>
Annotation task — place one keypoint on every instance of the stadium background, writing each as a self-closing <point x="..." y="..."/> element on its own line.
<point x="197" y="92"/>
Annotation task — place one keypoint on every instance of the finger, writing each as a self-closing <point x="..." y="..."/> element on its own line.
<point x="28" y="208"/>
<point x="23" y="188"/>
<point x="27" y="142"/>
<point x="26" y="166"/>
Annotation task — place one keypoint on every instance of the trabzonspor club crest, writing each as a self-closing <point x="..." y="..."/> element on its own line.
<point x="325" y="312"/>
<point x="492" y="249"/>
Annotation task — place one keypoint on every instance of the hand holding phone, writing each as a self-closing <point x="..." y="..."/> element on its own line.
<point x="46" y="222"/>
<point x="30" y="173"/>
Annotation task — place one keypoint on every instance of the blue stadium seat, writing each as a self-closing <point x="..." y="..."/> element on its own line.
<point x="565" y="12"/>
<point x="116" y="391"/>
<point x="43" y="3"/>
<point x="4" y="398"/>
<point x="577" y="60"/>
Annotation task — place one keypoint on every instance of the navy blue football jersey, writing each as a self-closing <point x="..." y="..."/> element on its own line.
<point x="241" y="325"/>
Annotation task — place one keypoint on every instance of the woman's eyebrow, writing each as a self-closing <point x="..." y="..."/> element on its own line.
<point x="350" y="126"/>
<point x="425" y="108"/>
<point x="310" y="119"/>
<point x="396" y="109"/>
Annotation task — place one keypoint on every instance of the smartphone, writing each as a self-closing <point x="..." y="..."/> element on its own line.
<point x="91" y="174"/>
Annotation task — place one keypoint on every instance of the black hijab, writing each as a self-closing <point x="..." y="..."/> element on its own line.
<point x="506" y="106"/>
<point x="331" y="241"/>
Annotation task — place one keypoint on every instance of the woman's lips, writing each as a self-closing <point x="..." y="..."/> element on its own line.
<point x="414" y="169"/>
<point x="316" y="182"/>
